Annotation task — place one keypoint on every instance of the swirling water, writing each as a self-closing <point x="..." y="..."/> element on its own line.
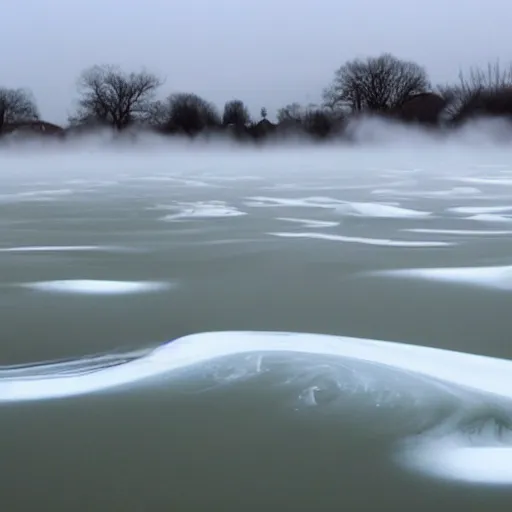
<point x="278" y="330"/>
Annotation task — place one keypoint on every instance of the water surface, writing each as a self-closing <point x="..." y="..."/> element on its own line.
<point x="106" y="255"/>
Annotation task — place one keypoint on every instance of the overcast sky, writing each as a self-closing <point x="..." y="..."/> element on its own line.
<point x="265" y="52"/>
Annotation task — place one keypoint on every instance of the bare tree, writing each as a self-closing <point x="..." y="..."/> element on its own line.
<point x="376" y="84"/>
<point x="318" y="123"/>
<point x="157" y="114"/>
<point x="481" y="90"/>
<point x="292" y="112"/>
<point x="425" y="108"/>
<point x="112" y="97"/>
<point x="235" y="112"/>
<point x="16" y="105"/>
<point x="263" y="113"/>
<point x="190" y="113"/>
<point x="313" y="119"/>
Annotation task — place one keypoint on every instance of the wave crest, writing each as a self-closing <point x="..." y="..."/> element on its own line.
<point x="450" y="409"/>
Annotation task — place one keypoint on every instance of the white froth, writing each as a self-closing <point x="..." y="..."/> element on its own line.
<point x="34" y="195"/>
<point x="471" y="464"/>
<point x="480" y="209"/>
<point x="453" y="192"/>
<point x="54" y="248"/>
<point x="310" y="223"/>
<point x="92" y="183"/>
<point x="201" y="210"/>
<point x="301" y="202"/>
<point x="378" y="210"/>
<point x="174" y="180"/>
<point x="485" y="181"/>
<point x="350" y="208"/>
<point x="230" y="179"/>
<point x="498" y="277"/>
<point x="490" y="217"/>
<point x="96" y="287"/>
<point x="361" y="240"/>
<point x="483" y="374"/>
<point x="442" y="458"/>
<point x="462" y="232"/>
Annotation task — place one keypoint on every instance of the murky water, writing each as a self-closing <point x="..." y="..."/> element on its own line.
<point x="109" y="261"/>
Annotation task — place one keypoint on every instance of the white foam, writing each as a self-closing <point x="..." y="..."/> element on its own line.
<point x="472" y="464"/>
<point x="350" y="208"/>
<point x="480" y="209"/>
<point x="453" y="192"/>
<point x="497" y="277"/>
<point x="54" y="248"/>
<point x="96" y="287"/>
<point x="201" y="210"/>
<point x="361" y="240"/>
<point x="490" y="217"/>
<point x="230" y="179"/>
<point x="378" y="210"/>
<point x="312" y="187"/>
<point x="300" y="202"/>
<point x="463" y="191"/>
<point x="438" y="456"/>
<point x="310" y="223"/>
<point x="485" y="181"/>
<point x="462" y="232"/>
<point x="484" y="374"/>
<point x="34" y="195"/>
<point x="92" y="183"/>
<point x="175" y="180"/>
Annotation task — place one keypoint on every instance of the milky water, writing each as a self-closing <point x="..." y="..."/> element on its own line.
<point x="286" y="329"/>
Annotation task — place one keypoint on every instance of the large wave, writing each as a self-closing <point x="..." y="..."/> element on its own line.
<point x="462" y="427"/>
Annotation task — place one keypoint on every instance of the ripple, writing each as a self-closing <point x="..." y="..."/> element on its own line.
<point x="361" y="240"/>
<point x="310" y="223"/>
<point x="462" y="232"/>
<point x="56" y="248"/>
<point x="485" y="181"/>
<point x="447" y="194"/>
<point x="200" y="210"/>
<point x="497" y="277"/>
<point x="349" y="208"/>
<point x="490" y="217"/>
<point x="97" y="287"/>
<point x="377" y="210"/>
<point x="480" y="209"/>
<point x="35" y="195"/>
<point x="485" y="374"/>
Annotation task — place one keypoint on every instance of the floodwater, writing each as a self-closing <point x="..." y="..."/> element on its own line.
<point x="296" y="329"/>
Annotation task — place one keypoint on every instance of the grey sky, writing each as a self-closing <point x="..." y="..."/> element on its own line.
<point x="265" y="52"/>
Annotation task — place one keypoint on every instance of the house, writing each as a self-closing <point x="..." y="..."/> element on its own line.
<point x="32" y="128"/>
<point x="262" y="129"/>
<point x="424" y="108"/>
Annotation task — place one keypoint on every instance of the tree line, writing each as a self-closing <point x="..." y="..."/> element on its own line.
<point x="380" y="86"/>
